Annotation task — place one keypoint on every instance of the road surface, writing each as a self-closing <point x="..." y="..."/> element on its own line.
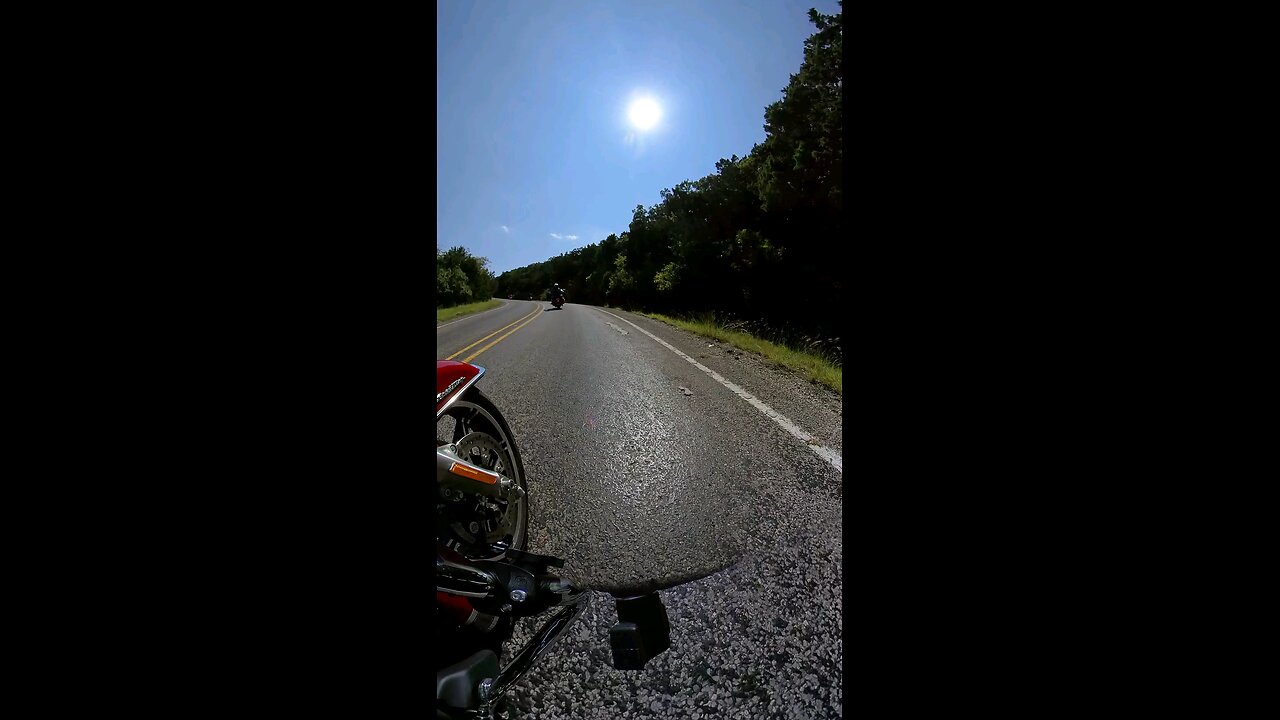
<point x="718" y="483"/>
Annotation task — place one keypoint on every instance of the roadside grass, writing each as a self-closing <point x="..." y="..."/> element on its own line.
<point x="815" y="366"/>
<point x="450" y="313"/>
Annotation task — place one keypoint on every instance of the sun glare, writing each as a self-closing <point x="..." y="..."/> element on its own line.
<point x="644" y="113"/>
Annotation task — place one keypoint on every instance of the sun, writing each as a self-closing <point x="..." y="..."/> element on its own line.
<point x="644" y="113"/>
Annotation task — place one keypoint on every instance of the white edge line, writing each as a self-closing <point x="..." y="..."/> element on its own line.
<point x="826" y="453"/>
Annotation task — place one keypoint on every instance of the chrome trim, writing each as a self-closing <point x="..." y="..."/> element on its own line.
<point x="503" y="489"/>
<point x="463" y="593"/>
<point x="447" y="391"/>
<point x="458" y="393"/>
<point x="448" y="570"/>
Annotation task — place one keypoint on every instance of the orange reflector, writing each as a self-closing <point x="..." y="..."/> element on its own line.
<point x="478" y="475"/>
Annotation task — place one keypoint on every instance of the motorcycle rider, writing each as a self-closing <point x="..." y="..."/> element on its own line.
<point x="556" y="291"/>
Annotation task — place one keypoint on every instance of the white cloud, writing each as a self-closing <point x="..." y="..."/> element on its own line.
<point x="558" y="236"/>
<point x="505" y="229"/>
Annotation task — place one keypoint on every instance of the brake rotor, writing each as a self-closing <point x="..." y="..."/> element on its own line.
<point x="487" y="520"/>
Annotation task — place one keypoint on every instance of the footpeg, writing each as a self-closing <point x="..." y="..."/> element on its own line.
<point x="643" y="632"/>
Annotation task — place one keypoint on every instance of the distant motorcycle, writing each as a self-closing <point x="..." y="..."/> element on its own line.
<point x="557" y="301"/>
<point x="485" y="580"/>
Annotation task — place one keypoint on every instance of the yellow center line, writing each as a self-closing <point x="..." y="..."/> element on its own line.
<point x="495" y="342"/>
<point x="495" y="332"/>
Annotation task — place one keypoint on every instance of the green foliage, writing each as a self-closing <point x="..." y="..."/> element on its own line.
<point x="443" y="314"/>
<point x="803" y="148"/>
<point x="667" y="278"/>
<point x="621" y="284"/>
<point x="451" y="287"/>
<point x="751" y="251"/>
<point x="813" y="362"/>
<point x="462" y="277"/>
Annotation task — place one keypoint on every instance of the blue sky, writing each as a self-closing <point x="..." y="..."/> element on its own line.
<point x="536" y="155"/>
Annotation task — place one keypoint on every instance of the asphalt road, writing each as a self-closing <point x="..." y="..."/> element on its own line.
<point x="646" y="472"/>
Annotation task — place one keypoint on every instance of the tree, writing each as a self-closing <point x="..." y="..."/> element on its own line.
<point x="622" y="284"/>
<point x="478" y="282"/>
<point x="451" y="287"/>
<point x="803" y="147"/>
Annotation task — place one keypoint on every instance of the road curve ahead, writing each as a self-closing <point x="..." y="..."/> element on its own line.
<point x="657" y="459"/>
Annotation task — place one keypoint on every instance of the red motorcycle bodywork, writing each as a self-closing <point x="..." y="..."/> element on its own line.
<point x="452" y="379"/>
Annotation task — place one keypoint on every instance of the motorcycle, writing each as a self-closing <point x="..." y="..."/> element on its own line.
<point x="558" y="300"/>
<point x="485" y="579"/>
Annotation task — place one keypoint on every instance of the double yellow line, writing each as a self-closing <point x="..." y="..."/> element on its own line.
<point x="518" y="323"/>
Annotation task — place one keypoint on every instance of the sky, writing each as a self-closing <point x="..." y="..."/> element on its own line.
<point x="536" y="151"/>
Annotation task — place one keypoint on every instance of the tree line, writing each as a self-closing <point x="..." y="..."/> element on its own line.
<point x="756" y="242"/>
<point x="462" y="278"/>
